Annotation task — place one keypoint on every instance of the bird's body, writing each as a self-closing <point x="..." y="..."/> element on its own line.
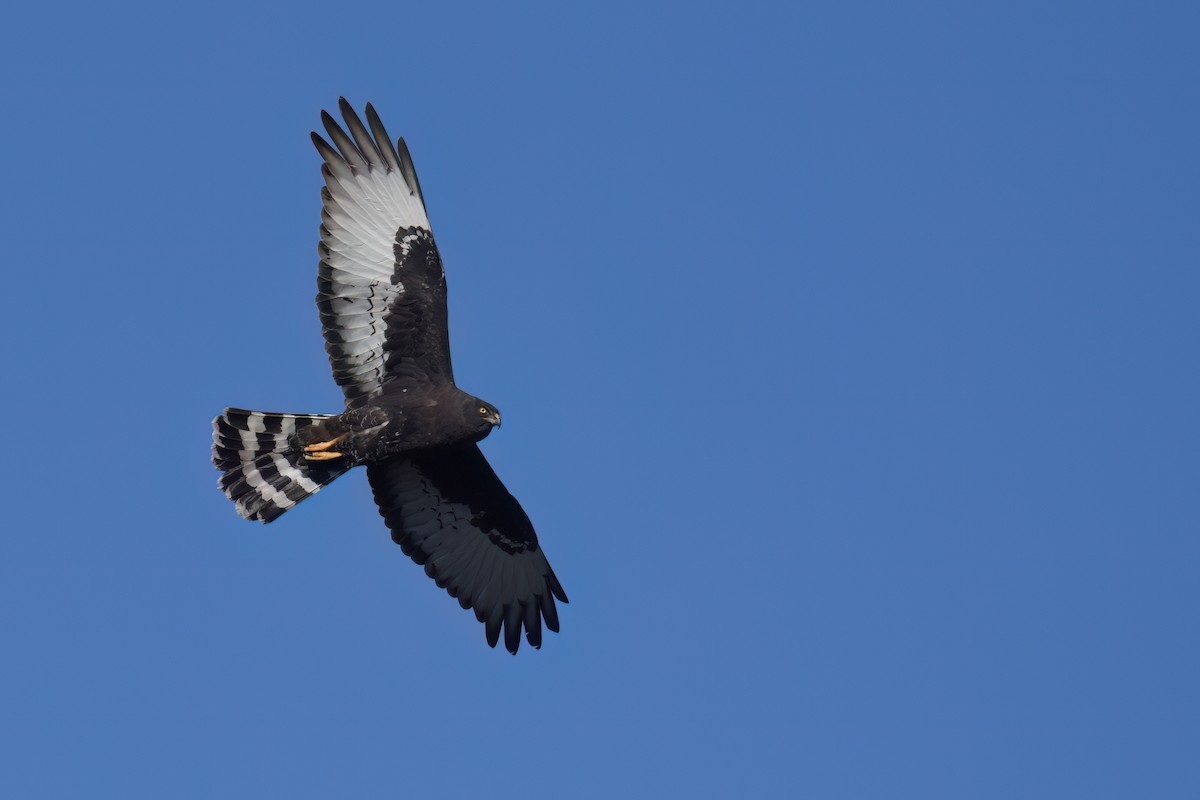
<point x="382" y="302"/>
<point x="400" y="422"/>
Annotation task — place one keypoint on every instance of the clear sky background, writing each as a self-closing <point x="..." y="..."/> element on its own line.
<point x="847" y="354"/>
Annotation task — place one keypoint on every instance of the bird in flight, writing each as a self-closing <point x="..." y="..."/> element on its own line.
<point x="381" y="294"/>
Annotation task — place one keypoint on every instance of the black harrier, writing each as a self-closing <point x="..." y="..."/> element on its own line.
<point x="382" y="298"/>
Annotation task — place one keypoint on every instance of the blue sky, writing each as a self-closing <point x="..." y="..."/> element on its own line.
<point x="847" y="360"/>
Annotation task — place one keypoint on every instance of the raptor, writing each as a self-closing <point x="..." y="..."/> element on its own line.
<point x="381" y="294"/>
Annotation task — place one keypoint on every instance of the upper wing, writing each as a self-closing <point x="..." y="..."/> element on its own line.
<point x="381" y="287"/>
<point x="450" y="512"/>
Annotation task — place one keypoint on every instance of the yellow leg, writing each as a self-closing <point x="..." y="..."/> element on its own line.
<point x="322" y="451"/>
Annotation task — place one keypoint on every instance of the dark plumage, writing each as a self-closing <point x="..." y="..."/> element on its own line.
<point x="381" y="294"/>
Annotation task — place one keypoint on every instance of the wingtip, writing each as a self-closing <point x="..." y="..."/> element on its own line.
<point x="556" y="587"/>
<point x="492" y="629"/>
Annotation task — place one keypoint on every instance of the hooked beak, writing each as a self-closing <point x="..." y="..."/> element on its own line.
<point x="494" y="419"/>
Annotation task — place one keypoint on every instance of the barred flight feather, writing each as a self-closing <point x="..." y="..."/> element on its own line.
<point x="262" y="465"/>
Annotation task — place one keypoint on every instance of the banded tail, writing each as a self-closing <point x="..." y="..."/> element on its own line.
<point x="263" y="470"/>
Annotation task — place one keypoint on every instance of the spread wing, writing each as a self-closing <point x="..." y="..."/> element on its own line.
<point x="451" y="513"/>
<point x="381" y="287"/>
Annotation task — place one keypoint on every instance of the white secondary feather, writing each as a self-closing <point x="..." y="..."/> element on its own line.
<point x="361" y="216"/>
<point x="366" y="202"/>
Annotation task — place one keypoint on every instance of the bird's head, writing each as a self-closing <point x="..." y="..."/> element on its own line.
<point x="482" y="415"/>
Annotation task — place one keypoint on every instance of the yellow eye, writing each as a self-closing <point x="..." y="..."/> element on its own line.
<point x="483" y="410"/>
